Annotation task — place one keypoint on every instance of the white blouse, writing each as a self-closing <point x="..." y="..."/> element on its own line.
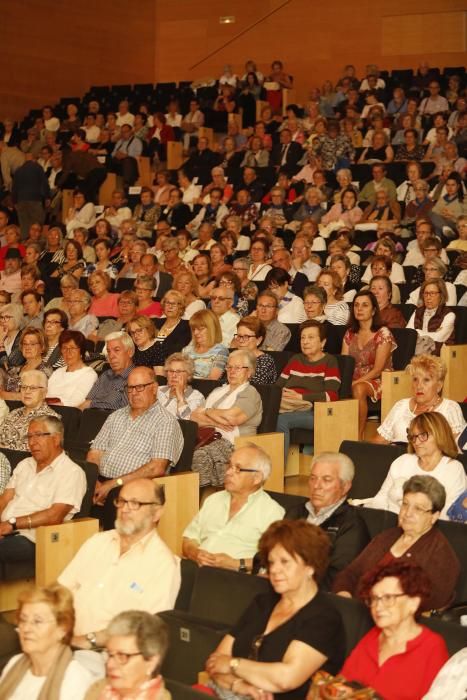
<point x="71" y="387"/>
<point x="395" y="425"/>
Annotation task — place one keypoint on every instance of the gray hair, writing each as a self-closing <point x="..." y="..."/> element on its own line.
<point x="262" y="461"/>
<point x="439" y="264"/>
<point x="53" y="423"/>
<point x="430" y="487"/>
<point x="247" y="356"/>
<point x="124" y="338"/>
<point x="150" y="631"/>
<point x="345" y="464"/>
<point x="15" y="310"/>
<point x="318" y="292"/>
<point x="86" y="297"/>
<point x="70" y="280"/>
<point x="187" y="361"/>
<point x="36" y="376"/>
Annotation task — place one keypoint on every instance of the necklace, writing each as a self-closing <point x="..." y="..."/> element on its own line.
<point x="426" y="408"/>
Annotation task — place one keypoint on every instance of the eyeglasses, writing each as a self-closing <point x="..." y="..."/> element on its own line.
<point x="120" y="657"/>
<point x="237" y="470"/>
<point x="28" y="345"/>
<point x="218" y="298"/>
<point x="137" y="387"/>
<point x="176" y="371"/>
<point x="6" y="318"/>
<point x="234" y="368"/>
<point x="243" y="338"/>
<point x="413" y="437"/>
<point x="418" y="510"/>
<point x="132" y="503"/>
<point x="170" y="303"/>
<point x="35" y="621"/>
<point x="266" y="306"/>
<point x="311" y="303"/>
<point x="387" y="600"/>
<point x="52" y="323"/>
<point x="430" y="294"/>
<point x="30" y="436"/>
<point x="137" y="331"/>
<point x="240" y="269"/>
<point x="26" y="387"/>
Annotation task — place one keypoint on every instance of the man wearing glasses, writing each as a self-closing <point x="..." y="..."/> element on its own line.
<point x="226" y="531"/>
<point x="138" y="441"/>
<point x="128" y="568"/>
<point x="45" y="489"/>
<point x="277" y="334"/>
<point x="222" y="300"/>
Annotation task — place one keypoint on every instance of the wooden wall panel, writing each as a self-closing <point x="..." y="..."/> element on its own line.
<point x="410" y="34"/>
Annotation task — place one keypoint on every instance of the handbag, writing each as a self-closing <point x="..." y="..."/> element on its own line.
<point x="289" y="404"/>
<point x="206" y="435"/>
<point x="326" y="687"/>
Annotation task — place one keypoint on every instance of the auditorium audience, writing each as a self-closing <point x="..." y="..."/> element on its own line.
<point x="433" y="320"/>
<point x="109" y="392"/>
<point x="206" y="349"/>
<point x="70" y="385"/>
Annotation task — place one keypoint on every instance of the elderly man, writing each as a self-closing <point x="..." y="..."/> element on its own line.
<point x="128" y="568"/>
<point x="379" y="182"/>
<point x="329" y="483"/>
<point x="140" y="440"/>
<point x="79" y="302"/>
<point x="45" y="489"/>
<point x="10" y="276"/>
<point x="301" y="257"/>
<point x="277" y="334"/>
<point x="150" y="266"/>
<point x="282" y="259"/>
<point x="226" y="531"/>
<point x="109" y="391"/>
<point x="14" y="427"/>
<point x="222" y="299"/>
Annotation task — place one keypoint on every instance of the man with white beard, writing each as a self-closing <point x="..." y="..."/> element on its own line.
<point x="129" y="568"/>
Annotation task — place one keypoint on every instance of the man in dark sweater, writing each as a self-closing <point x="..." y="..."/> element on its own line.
<point x="330" y="481"/>
<point x="30" y="190"/>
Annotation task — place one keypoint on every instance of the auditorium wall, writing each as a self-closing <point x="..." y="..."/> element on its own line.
<point x="56" y="49"/>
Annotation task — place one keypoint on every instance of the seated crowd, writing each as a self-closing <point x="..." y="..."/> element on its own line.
<point x="275" y="253"/>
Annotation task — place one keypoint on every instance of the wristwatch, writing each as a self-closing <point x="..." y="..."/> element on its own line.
<point x="92" y="639"/>
<point x="243" y="568"/>
<point x="234" y="665"/>
<point x="119" y="481"/>
<point x="12" y="522"/>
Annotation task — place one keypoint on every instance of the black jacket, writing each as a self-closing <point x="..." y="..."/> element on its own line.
<point x="347" y="532"/>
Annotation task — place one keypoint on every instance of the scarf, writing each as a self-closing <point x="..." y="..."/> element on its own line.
<point x="433" y="324"/>
<point x="151" y="690"/>
<point x="53" y="682"/>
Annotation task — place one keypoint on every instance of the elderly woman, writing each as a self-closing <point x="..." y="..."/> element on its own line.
<point x="314" y="301"/>
<point x="398" y="657"/>
<point x="143" y="333"/>
<point x="32" y="345"/>
<point x="187" y="284"/>
<point x="55" y="321"/>
<point x="127" y="305"/>
<point x="336" y="309"/>
<point x="14" y="428"/>
<point x="202" y="269"/>
<point x="177" y="396"/>
<point x="70" y="385"/>
<point x="136" y="645"/>
<point x="383" y="209"/>
<point x="132" y="267"/>
<point x="290" y="305"/>
<point x="416" y="539"/>
<point x="80" y="318"/>
<point x="390" y="316"/>
<point x="371" y="345"/>
<point x="347" y="210"/>
<point x="206" y="349"/>
<point x="173" y="331"/>
<point x="82" y="213"/>
<point x="250" y="335"/>
<point x="286" y="635"/>
<point x="434" y="269"/>
<point x="67" y="284"/>
<point x="103" y="248"/>
<point x="259" y="267"/>
<point x="312" y="375"/>
<point x="104" y="302"/>
<point x="432" y="450"/>
<point x="231" y="410"/>
<point x="432" y="320"/>
<point x="145" y="286"/>
<point x="218" y="255"/>
<point x="46" y="667"/>
<point x="11" y="317"/>
<point x="380" y="150"/>
<point x="172" y="262"/>
<point x="428" y="373"/>
<point x="341" y="264"/>
<point x="73" y="264"/>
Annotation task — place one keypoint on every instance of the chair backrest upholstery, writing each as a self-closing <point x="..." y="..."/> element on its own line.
<point x="71" y="418"/>
<point x="372" y="464"/>
<point x="406" y="339"/>
<point x="453" y="634"/>
<point x="456" y="535"/>
<point x="280" y="359"/>
<point x="335" y="336"/>
<point x="355" y="617"/>
<point x="377" y="520"/>
<point x="90" y="470"/>
<point x="346" y="368"/>
<point x="287" y="500"/>
<point x="92" y="420"/>
<point x="189" y="571"/>
<point x="190" y="436"/>
<point x="271" y="399"/>
<point x="14" y="456"/>
<point x="205" y="386"/>
<point x="212" y="598"/>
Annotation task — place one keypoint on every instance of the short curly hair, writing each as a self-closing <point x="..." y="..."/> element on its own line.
<point x="413" y="580"/>
<point x="301" y="540"/>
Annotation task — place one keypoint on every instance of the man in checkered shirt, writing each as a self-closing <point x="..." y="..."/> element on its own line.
<point x="137" y="441"/>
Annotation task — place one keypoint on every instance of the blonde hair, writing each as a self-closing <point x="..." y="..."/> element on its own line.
<point x="142" y="322"/>
<point x="429" y="364"/>
<point x="60" y="601"/>
<point x="207" y="319"/>
<point x="436" y="424"/>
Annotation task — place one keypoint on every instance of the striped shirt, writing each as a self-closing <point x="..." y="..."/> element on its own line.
<point x="314" y="381"/>
<point x="109" y="392"/>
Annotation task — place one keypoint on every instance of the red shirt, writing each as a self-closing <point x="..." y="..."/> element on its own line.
<point x="406" y="676"/>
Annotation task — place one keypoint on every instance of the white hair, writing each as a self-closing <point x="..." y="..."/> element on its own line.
<point x="345" y="464"/>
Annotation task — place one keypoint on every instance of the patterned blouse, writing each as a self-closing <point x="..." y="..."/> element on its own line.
<point x="365" y="357"/>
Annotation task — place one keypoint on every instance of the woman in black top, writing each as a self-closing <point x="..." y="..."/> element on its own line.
<point x="286" y="635"/>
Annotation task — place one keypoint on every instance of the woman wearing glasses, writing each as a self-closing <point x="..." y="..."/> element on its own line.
<point x="416" y="538"/>
<point x="250" y="335"/>
<point x="232" y="409"/>
<point x="177" y="396"/>
<point x="433" y="320"/>
<point x="206" y="349"/>
<point x="136" y="645"/>
<point x="11" y="317"/>
<point x="33" y="345"/>
<point x="70" y="385"/>
<point x="432" y="450"/>
<point x="46" y="667"/>
<point x="145" y="286"/>
<point x="398" y="657"/>
<point x="286" y="635"/>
